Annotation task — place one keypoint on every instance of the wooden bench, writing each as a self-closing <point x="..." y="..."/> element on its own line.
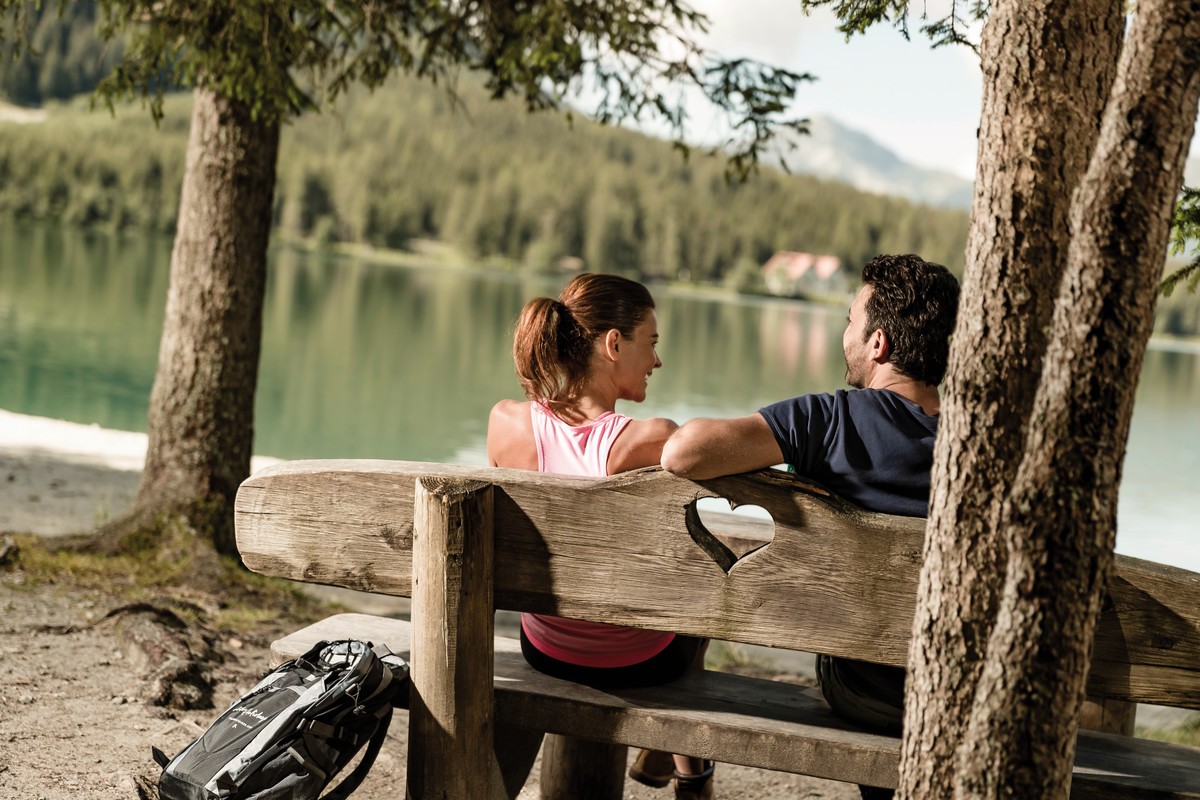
<point x="633" y="550"/>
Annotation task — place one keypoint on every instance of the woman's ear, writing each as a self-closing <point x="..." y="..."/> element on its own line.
<point x="611" y="344"/>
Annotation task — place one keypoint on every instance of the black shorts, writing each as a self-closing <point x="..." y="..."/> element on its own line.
<point x="674" y="660"/>
<point x="869" y="695"/>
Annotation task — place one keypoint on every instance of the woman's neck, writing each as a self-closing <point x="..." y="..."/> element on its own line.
<point x="591" y="404"/>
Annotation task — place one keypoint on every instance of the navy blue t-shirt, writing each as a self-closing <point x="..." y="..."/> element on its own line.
<point x="870" y="446"/>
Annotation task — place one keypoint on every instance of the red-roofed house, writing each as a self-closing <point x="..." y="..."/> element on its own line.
<point x="792" y="274"/>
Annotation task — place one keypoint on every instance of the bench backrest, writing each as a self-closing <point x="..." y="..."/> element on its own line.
<point x="632" y="550"/>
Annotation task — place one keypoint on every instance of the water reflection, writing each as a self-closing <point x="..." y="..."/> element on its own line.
<point x="368" y="361"/>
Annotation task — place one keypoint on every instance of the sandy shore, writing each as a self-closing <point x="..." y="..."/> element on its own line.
<point x="59" y="477"/>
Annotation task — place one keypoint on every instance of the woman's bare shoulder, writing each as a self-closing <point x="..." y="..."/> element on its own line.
<point x="510" y="435"/>
<point x="653" y="428"/>
<point x="509" y="410"/>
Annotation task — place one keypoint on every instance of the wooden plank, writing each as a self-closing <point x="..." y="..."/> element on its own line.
<point x="755" y="722"/>
<point x="555" y="542"/>
<point x="834" y="579"/>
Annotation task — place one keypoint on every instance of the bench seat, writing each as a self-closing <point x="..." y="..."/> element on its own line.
<point x="750" y="721"/>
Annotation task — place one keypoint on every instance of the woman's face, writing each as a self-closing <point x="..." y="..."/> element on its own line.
<point x="637" y="358"/>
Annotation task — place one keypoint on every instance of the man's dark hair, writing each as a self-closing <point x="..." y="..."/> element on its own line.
<point x="915" y="303"/>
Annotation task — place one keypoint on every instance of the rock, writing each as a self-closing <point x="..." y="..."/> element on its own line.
<point x="8" y="551"/>
<point x="25" y="699"/>
<point x="137" y="787"/>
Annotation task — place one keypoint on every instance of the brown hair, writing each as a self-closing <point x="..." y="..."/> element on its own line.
<point x="553" y="340"/>
<point x="915" y="303"/>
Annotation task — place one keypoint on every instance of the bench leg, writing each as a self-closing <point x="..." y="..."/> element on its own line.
<point x="516" y="750"/>
<point x="1108" y="716"/>
<point x="450" y="720"/>
<point x="577" y="769"/>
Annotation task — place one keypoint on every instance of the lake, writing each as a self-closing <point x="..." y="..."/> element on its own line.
<point x="363" y="360"/>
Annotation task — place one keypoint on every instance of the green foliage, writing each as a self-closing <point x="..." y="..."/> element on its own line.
<point x="856" y="16"/>
<point x="59" y="54"/>
<point x="1185" y="231"/>
<point x="281" y="58"/>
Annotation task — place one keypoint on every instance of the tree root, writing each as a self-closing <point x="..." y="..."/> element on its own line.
<point x="174" y="657"/>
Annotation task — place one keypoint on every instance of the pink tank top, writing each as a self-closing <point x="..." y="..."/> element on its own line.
<point x="584" y="450"/>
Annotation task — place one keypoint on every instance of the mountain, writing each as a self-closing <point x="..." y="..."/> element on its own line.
<point x="833" y="151"/>
<point x="836" y="152"/>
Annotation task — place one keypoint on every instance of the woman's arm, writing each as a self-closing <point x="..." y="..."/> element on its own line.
<point x="640" y="444"/>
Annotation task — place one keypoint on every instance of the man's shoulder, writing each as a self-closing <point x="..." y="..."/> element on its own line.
<point x="841" y="401"/>
<point x="804" y="401"/>
<point x="872" y="399"/>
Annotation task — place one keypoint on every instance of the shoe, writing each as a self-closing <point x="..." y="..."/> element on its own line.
<point x="695" y="787"/>
<point x="653" y="768"/>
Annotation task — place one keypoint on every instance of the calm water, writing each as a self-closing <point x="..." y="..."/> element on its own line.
<point x="366" y="361"/>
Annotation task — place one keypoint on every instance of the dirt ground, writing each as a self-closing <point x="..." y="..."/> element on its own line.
<point x="73" y="723"/>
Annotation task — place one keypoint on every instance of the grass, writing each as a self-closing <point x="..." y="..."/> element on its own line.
<point x="733" y="657"/>
<point x="232" y="598"/>
<point x="1188" y="733"/>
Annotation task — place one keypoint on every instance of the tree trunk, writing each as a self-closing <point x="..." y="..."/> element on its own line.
<point x="1009" y="729"/>
<point x="201" y="420"/>
<point x="1047" y="71"/>
<point x="1060" y="522"/>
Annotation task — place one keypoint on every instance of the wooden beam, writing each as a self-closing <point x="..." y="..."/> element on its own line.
<point x="451" y="704"/>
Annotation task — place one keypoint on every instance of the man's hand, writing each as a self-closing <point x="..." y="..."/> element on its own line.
<point x="710" y="448"/>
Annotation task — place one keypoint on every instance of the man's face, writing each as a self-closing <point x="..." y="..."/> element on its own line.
<point x="853" y="340"/>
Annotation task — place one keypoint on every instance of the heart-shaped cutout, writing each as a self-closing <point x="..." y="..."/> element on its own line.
<point x="728" y="532"/>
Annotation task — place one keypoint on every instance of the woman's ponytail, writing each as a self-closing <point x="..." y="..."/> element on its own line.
<point x="552" y="342"/>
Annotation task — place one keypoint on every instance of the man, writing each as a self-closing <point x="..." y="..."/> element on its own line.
<point x="873" y="446"/>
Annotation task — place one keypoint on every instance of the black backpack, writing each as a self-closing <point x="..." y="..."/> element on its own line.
<point x="295" y="730"/>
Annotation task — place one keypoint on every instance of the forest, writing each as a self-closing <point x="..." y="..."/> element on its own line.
<point x="410" y="161"/>
<point x="414" y="162"/>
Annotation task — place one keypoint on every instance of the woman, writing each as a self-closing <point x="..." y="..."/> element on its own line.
<point x="576" y="357"/>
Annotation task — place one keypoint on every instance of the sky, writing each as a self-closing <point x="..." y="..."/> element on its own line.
<point x="921" y="103"/>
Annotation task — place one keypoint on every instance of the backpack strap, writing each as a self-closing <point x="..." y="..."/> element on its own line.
<point x="160" y="758"/>
<point x="355" y="778"/>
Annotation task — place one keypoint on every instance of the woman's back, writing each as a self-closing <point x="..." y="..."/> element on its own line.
<point x="575" y="450"/>
<point x="631" y="444"/>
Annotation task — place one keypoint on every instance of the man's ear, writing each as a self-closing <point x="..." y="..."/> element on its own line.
<point x="611" y="344"/>
<point x="879" y="346"/>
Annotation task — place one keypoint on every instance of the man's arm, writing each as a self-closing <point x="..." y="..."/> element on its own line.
<point x="709" y="448"/>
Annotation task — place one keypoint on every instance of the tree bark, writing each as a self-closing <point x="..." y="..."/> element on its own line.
<point x="1008" y="730"/>
<point x="1047" y="71"/>
<point x="1059" y="524"/>
<point x="201" y="419"/>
